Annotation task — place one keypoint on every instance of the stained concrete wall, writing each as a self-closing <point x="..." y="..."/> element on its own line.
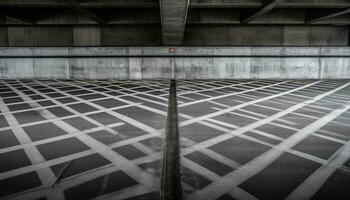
<point x="150" y="35"/>
<point x="42" y="36"/>
<point x="176" y="62"/>
<point x="86" y="35"/>
<point x="267" y="35"/>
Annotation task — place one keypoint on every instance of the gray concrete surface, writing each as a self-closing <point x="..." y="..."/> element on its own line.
<point x="210" y="32"/>
<point x="264" y="139"/>
<point x="81" y="139"/>
<point x="173" y="19"/>
<point x="137" y="63"/>
<point x="238" y="139"/>
<point x="181" y="22"/>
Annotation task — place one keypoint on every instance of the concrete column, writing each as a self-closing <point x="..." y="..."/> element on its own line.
<point x="135" y="64"/>
<point x="173" y="16"/>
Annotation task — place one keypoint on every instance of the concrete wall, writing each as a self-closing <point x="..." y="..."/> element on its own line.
<point x="80" y="35"/>
<point x="150" y="35"/>
<point x="267" y="35"/>
<point x="180" y="62"/>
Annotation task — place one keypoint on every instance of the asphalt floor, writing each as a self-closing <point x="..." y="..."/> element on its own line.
<point x="238" y="139"/>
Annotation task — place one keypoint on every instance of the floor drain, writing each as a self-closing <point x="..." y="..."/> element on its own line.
<point x="171" y="188"/>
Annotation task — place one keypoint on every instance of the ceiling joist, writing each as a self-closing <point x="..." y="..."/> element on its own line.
<point x="173" y="19"/>
<point x="327" y="15"/>
<point x="18" y="17"/>
<point x="267" y="7"/>
<point x="73" y="4"/>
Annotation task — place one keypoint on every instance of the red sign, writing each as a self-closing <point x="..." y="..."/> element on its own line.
<point x="172" y="50"/>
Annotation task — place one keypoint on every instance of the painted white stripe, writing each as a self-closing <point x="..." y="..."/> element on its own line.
<point x="126" y="165"/>
<point x="21" y="146"/>
<point x="230" y="94"/>
<point x="46" y="175"/>
<point x="63" y="118"/>
<point x="253" y="167"/>
<point x="314" y="182"/>
<point x="242" y="105"/>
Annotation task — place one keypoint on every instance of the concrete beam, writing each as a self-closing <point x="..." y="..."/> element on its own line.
<point x="225" y="4"/>
<point x="193" y="3"/>
<point x="87" y="4"/>
<point x="173" y="19"/>
<point x="122" y="3"/>
<point x="183" y="52"/>
<point x="198" y="16"/>
<point x="327" y="15"/>
<point x="268" y="6"/>
<point x="65" y="17"/>
<point x="278" y="16"/>
<point x="17" y="17"/>
<point x="315" y="4"/>
<point x="342" y="20"/>
<point x="259" y="3"/>
<point x="73" y="4"/>
<point x="191" y="63"/>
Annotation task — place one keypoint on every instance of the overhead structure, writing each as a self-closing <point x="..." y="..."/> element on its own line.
<point x="267" y="7"/>
<point x="75" y="5"/>
<point x="18" y="17"/>
<point x="173" y="20"/>
<point x="327" y="15"/>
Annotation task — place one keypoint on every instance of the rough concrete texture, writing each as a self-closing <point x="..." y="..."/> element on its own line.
<point x="151" y="34"/>
<point x="99" y="127"/>
<point x="173" y="16"/>
<point x="260" y="139"/>
<point x="269" y="35"/>
<point x="234" y="147"/>
<point x="137" y="63"/>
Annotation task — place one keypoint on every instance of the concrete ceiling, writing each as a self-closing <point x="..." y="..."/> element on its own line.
<point x="173" y="17"/>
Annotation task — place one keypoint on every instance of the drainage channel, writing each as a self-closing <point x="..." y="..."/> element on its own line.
<point x="171" y="188"/>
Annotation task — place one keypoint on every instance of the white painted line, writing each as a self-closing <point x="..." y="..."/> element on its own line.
<point x="253" y="167"/>
<point x="241" y="106"/>
<point x="315" y="181"/>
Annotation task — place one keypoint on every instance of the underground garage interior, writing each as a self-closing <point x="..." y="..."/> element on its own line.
<point x="174" y="99"/>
